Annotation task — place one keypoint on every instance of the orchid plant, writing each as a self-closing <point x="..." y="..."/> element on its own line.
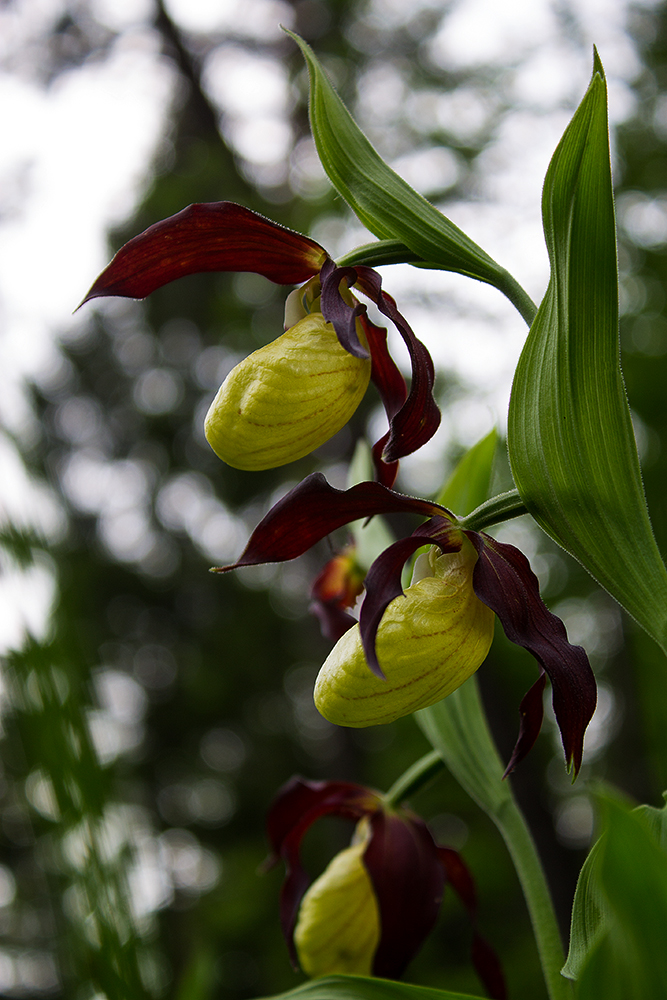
<point x="415" y="644"/>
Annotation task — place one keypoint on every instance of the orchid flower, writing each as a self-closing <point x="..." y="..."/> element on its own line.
<point x="373" y="907"/>
<point x="335" y="590"/>
<point x="412" y="649"/>
<point x="292" y="395"/>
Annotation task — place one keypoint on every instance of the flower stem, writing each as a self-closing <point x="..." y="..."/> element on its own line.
<point x="517" y="295"/>
<point x="414" y="778"/>
<point x="520" y="844"/>
<point x="457" y="728"/>
<point x="501" y="508"/>
<point x="395" y="252"/>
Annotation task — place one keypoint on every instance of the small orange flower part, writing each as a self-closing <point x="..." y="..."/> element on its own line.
<point x="335" y="590"/>
<point x="373" y="907"/>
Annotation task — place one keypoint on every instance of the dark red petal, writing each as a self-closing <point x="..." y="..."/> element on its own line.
<point x="383" y="581"/>
<point x="419" y="417"/>
<point x="217" y="236"/>
<point x="460" y="878"/>
<point x="486" y="962"/>
<point x="385" y="472"/>
<point x="504" y="581"/>
<point x="408" y="881"/>
<point x="314" y="509"/>
<point x="296" y="806"/>
<point x="488" y="967"/>
<point x="334" y="622"/>
<point x="393" y="392"/>
<point x="336" y="310"/>
<point x="531" y="711"/>
<point x="384" y="371"/>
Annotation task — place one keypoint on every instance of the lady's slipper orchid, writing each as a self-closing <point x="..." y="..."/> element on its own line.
<point x="375" y="904"/>
<point x="439" y="632"/>
<point x="294" y="394"/>
<point x="428" y="644"/>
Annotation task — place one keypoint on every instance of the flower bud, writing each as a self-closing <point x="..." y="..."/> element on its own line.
<point x="338" y="929"/>
<point x="287" y="398"/>
<point x="429" y="642"/>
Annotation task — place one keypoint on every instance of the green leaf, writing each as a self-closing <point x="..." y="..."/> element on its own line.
<point x="470" y="482"/>
<point x="629" y="960"/>
<point x="656" y="820"/>
<point x="592" y="915"/>
<point x="384" y="202"/>
<point x="571" y="444"/>
<point x="362" y="988"/>
<point x="589" y="914"/>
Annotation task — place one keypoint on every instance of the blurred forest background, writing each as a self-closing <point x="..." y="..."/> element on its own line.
<point x="150" y="709"/>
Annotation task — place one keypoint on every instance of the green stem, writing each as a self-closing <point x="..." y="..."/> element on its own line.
<point x="395" y="252"/>
<point x="517" y="295"/>
<point x="501" y="508"/>
<point x="414" y="778"/>
<point x="520" y="844"/>
<point x="375" y="254"/>
<point x="457" y="728"/>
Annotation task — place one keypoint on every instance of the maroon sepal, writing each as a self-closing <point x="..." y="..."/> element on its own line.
<point x="531" y="712"/>
<point x="215" y="236"/>
<point x="390" y="383"/>
<point x="504" y="581"/>
<point x="383" y="580"/>
<point x="419" y="417"/>
<point x="408" y="880"/>
<point x="385" y="472"/>
<point x="486" y="962"/>
<point x="295" y="808"/>
<point x="314" y="509"/>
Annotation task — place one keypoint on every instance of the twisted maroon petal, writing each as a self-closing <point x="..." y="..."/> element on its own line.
<point x="419" y="417"/>
<point x="215" y="236"/>
<point x="408" y="880"/>
<point x="390" y="383"/>
<point x="531" y="711"/>
<point x="504" y="581"/>
<point x="383" y="580"/>
<point x="337" y="311"/>
<point x="314" y="509"/>
<point x="295" y="808"/>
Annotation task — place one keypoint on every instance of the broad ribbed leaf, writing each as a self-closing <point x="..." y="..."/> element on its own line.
<point x="384" y="202"/>
<point x="571" y="443"/>
<point x="361" y="988"/>
<point x="628" y="960"/>
<point x="590" y="914"/>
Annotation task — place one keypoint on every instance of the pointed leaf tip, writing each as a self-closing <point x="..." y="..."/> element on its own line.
<point x="570" y="437"/>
